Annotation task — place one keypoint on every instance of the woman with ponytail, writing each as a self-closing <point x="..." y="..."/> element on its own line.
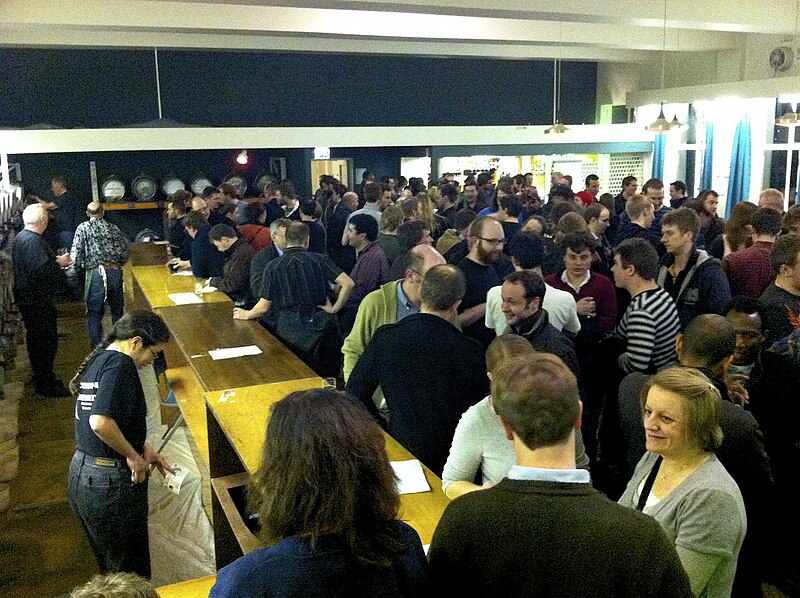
<point x="107" y="487"/>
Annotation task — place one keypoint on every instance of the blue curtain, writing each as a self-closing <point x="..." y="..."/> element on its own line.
<point x="739" y="182"/>
<point x="658" y="156"/>
<point x="708" y="157"/>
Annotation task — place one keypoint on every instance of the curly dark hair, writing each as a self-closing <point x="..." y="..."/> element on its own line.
<point x="325" y="473"/>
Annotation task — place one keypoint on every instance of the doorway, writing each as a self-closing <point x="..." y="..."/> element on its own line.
<point x="341" y="169"/>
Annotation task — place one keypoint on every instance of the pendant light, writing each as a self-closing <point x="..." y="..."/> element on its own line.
<point x="557" y="127"/>
<point x="791" y="118"/>
<point x="661" y="125"/>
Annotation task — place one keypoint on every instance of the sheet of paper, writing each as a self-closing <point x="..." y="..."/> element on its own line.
<point x="232" y="352"/>
<point x="411" y="477"/>
<point x="185" y="298"/>
<point x="208" y="289"/>
<point x="425" y="547"/>
<point x="184" y="273"/>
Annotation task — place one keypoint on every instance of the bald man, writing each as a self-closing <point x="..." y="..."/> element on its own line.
<point x="389" y="304"/>
<point x="36" y="280"/>
<point x="100" y="249"/>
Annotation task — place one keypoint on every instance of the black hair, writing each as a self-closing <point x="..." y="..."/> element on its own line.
<point x="364" y="223"/>
<point x="140" y="322"/>
<point x="527" y="248"/>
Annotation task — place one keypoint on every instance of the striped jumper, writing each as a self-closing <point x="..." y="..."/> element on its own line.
<point x="649" y="329"/>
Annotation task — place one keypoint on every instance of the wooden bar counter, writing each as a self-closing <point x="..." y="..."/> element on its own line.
<point x="199" y="328"/>
<point x="152" y="286"/>
<point x="237" y="426"/>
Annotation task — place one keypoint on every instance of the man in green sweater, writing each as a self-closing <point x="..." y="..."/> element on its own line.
<point x="543" y="530"/>
<point x="388" y="304"/>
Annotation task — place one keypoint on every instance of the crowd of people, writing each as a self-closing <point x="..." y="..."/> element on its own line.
<point x="541" y="357"/>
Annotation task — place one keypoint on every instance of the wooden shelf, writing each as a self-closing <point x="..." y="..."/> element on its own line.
<point x="134" y="205"/>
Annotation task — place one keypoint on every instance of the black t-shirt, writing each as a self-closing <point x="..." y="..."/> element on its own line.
<point x="36" y="274"/>
<point x="110" y="386"/>
<point x="479" y="280"/>
<point x="68" y="213"/>
<point x="450" y="215"/>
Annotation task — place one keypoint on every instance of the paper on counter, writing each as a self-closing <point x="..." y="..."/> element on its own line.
<point x="208" y="289"/>
<point x="183" y="273"/>
<point x="185" y="298"/>
<point x="411" y="477"/>
<point x="234" y="352"/>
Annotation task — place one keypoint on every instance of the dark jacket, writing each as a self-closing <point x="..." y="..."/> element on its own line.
<point x="430" y="374"/>
<point x="235" y="279"/>
<point x="631" y="230"/>
<point x="701" y="288"/>
<point x="536" y="538"/>
<point x="206" y="260"/>
<point x="258" y="262"/>
<point x="543" y="336"/>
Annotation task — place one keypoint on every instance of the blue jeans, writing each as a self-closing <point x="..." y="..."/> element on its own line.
<point x="97" y="293"/>
<point x="113" y="512"/>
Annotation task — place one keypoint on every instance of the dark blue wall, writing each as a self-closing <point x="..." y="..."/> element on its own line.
<point x="215" y="164"/>
<point x="102" y="88"/>
<point x="77" y="88"/>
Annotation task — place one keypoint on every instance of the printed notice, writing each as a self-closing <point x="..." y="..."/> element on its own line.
<point x="185" y="298"/>
<point x="232" y="352"/>
<point x="411" y="477"/>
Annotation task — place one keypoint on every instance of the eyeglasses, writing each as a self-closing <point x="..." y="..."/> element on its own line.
<point x="153" y="353"/>
<point x="493" y="242"/>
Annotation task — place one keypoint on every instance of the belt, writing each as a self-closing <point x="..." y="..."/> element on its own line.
<point x="101" y="461"/>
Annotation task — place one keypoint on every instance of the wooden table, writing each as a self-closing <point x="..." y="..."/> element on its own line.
<point x="152" y="286"/>
<point x="237" y="427"/>
<point x="196" y="588"/>
<point x="148" y="254"/>
<point x="201" y="327"/>
<point x="142" y="254"/>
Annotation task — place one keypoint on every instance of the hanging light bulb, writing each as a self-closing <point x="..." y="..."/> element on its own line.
<point x="557" y="127"/>
<point x="242" y="157"/>
<point x="661" y="124"/>
<point x="676" y="125"/>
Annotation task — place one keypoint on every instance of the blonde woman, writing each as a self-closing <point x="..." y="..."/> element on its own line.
<point x="391" y="219"/>
<point x="681" y="483"/>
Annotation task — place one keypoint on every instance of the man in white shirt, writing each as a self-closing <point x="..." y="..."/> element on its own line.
<point x="526" y="254"/>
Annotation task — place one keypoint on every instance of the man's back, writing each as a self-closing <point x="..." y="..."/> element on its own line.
<point x="298" y="278"/>
<point x="430" y="374"/>
<point x="631" y="230"/>
<point x="35" y="270"/>
<point x="749" y="270"/>
<point x="535" y="538"/>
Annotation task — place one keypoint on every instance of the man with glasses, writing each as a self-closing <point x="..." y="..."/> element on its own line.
<point x="391" y="303"/>
<point x="486" y="240"/>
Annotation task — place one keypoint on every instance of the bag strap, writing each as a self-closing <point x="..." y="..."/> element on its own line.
<point x="648" y="485"/>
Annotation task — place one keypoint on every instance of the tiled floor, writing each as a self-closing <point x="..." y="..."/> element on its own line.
<point x="43" y="550"/>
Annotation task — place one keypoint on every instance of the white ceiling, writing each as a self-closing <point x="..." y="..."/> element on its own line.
<point x="611" y="30"/>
